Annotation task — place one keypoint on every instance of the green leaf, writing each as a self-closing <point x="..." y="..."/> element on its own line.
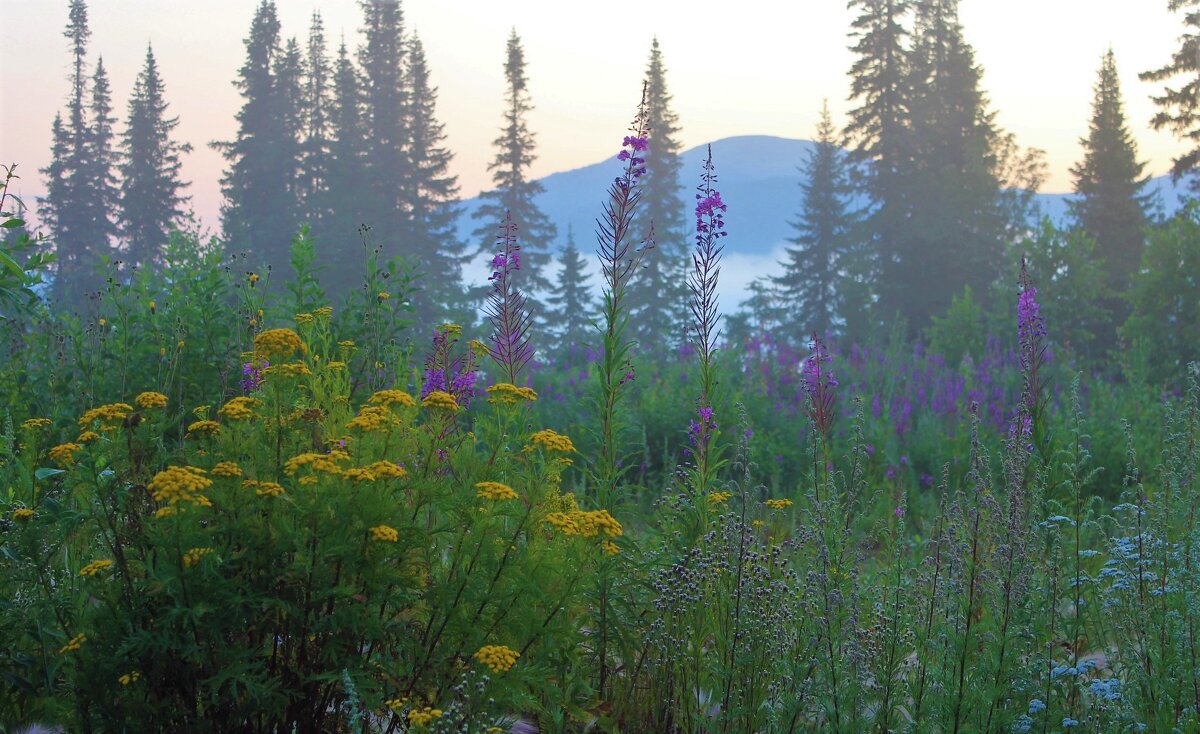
<point x="12" y="223"/>
<point x="46" y="472"/>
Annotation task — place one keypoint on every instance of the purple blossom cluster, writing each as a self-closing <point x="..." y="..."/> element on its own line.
<point x="447" y="371"/>
<point x="506" y="306"/>
<point x="633" y="149"/>
<point x="252" y="378"/>
<point x="700" y="432"/>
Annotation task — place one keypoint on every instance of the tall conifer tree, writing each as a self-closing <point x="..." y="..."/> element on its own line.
<point x="385" y="112"/>
<point x="1179" y="107"/>
<point x="430" y="193"/>
<point x="515" y="192"/>
<point x="102" y="192"/>
<point x="657" y="293"/>
<point x="314" y="169"/>
<point x="811" y="284"/>
<point x="570" y="303"/>
<point x="150" y="200"/>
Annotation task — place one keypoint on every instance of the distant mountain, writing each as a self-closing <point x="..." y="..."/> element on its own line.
<point x="759" y="178"/>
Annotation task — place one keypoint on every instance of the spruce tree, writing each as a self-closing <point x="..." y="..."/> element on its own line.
<point x="515" y="192"/>
<point x="258" y="185"/>
<point x="810" y="285"/>
<point x="385" y="112"/>
<point x="150" y="198"/>
<point x="315" y="109"/>
<point x="341" y="206"/>
<point x="289" y="106"/>
<point x="430" y="194"/>
<point x="657" y="293"/>
<point x="877" y="134"/>
<point x="1108" y="182"/>
<point x="570" y="304"/>
<point x="102" y="192"/>
<point x="1179" y="107"/>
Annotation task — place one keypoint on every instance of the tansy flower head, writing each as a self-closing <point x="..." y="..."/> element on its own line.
<point x="88" y="437"/>
<point x="498" y="658"/>
<point x="494" y="491"/>
<point x="386" y="470"/>
<point x="717" y="498"/>
<point x="36" y="424"/>
<point x="263" y="489"/>
<point x="149" y="400"/>
<point x="450" y="329"/>
<point x="441" y="400"/>
<point x="305" y="318"/>
<point x="177" y="484"/>
<point x="111" y="413"/>
<point x="585" y="524"/>
<point x="64" y="454"/>
<point x="74" y="644"/>
<point x="288" y="369"/>
<point x="373" y="418"/>
<point x="22" y="514"/>
<point x="359" y="474"/>
<point x="384" y="534"/>
<point x="240" y="408"/>
<point x="226" y="469"/>
<point x="210" y="428"/>
<point x="387" y="398"/>
<point x="779" y="504"/>
<point x="423" y="717"/>
<point x="95" y="567"/>
<point x="194" y="556"/>
<point x="552" y="441"/>
<point x="278" y="344"/>
<point x="320" y="463"/>
<point x="504" y="393"/>
<point x="128" y="678"/>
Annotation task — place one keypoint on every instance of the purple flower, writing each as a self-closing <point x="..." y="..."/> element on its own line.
<point x="1029" y="318"/>
<point x="900" y="511"/>
<point x="252" y="378"/>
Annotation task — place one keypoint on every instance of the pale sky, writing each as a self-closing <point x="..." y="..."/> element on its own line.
<point x="748" y="67"/>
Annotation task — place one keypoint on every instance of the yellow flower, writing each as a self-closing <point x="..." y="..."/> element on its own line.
<point x="336" y="366"/>
<point x="304" y="318"/>
<point x="226" y="469"/>
<point x="586" y="524"/>
<point x="494" y="491"/>
<point x="505" y="393"/>
<point x="88" y="437"/>
<point x="323" y="312"/>
<point x="212" y="428"/>
<point x="34" y="424"/>
<point x="149" y="400"/>
<point x="253" y="279"/>
<point x="423" y="717"/>
<point x="480" y="349"/>
<point x="239" y="408"/>
<point x="552" y="441"/>
<point x="610" y="548"/>
<point x="177" y="484"/>
<point x="392" y="397"/>
<point x="384" y="534"/>
<point x="383" y="295"/>
<point x="346" y="344"/>
<point x="278" y="343"/>
<point x="263" y="489"/>
<point x="64" y="454"/>
<point x="717" y="498"/>
<point x="359" y="474"/>
<point x="95" y="567"/>
<point x="395" y="704"/>
<point x="451" y="329"/>
<point x="498" y="658"/>
<point x="194" y="556"/>
<point x="111" y="413"/>
<point x="779" y="504"/>
<point x="22" y="514"/>
<point x="387" y="470"/>
<point x="288" y="369"/>
<point x="103" y="322"/>
<point x="373" y="418"/>
<point x="128" y="678"/>
<point x="757" y="523"/>
<point x="153" y="307"/>
<point x="441" y="400"/>
<point x="323" y="463"/>
<point x="75" y="643"/>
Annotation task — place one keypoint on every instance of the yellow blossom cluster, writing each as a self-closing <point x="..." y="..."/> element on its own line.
<point x="177" y="484"/>
<point x="552" y="441"/>
<point x="336" y="366"/>
<point x="451" y="329"/>
<point x="22" y="514"/>
<point x="423" y="717"/>
<point x="359" y="474"/>
<point x="95" y="567"/>
<point x="395" y="704"/>
<point x="323" y="463"/>
<point x="346" y="344"/>
<point x="64" y="454"/>
<point x="506" y="393"/>
<point x="88" y="437"/>
<point x="149" y="400"/>
<point x="386" y="470"/>
<point x="111" y="413"/>
<point x="226" y="469"/>
<point x="610" y="548"/>
<point x="128" y="678"/>
<point x="34" y="424"/>
<point x="211" y="428"/>
<point x="373" y="418"/>
<point x="194" y="556"/>
<point x="480" y="349"/>
<point x="323" y="312"/>
<point x="718" y="498"/>
<point x="239" y="408"/>
<point x="779" y="504"/>
<point x="586" y="524"/>
<point x="278" y="343"/>
<point x="440" y="399"/>
<point x="498" y="658"/>
<point x="288" y="369"/>
<point x="263" y="489"/>
<point x="392" y="397"/>
<point x="74" y="644"/>
<point x="494" y="491"/>
<point x="384" y="534"/>
<point x="305" y="318"/>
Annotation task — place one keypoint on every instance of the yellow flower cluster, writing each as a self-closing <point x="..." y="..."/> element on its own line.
<point x="610" y="548"/>
<point x="95" y="567"/>
<point x="346" y="344"/>
<point x="552" y="441"/>
<point x="440" y="399"/>
<point x="359" y="474"/>
<point x="34" y="424"/>
<point x="194" y="556"/>
<point x="226" y="469"/>
<point x="128" y="678"/>
<point x="75" y="643"/>
<point x="779" y="504"/>
<point x="336" y="366"/>
<point x="587" y="524"/>
<point x="386" y="470"/>
<point x="373" y="418"/>
<point x="498" y="658"/>
<point x="506" y="393"/>
<point x="718" y="498"/>
<point x="149" y="400"/>
<point x="88" y="437"/>
<point x="323" y="463"/>
<point x="288" y="369"/>
<point x="451" y="329"/>
<point x="480" y="349"/>
<point x="64" y="454"/>
<point x="423" y="717"/>
<point x="263" y="489"/>
<point x="305" y="318"/>
<point x="22" y="514"/>
<point x="177" y="484"/>
<point x="392" y="397"/>
<point x="494" y="491"/>
<point x="211" y="428"/>
<point x="111" y="413"/>
<point x="277" y="343"/>
<point x="384" y="534"/>
<point x="323" y="312"/>
<point x="240" y="408"/>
